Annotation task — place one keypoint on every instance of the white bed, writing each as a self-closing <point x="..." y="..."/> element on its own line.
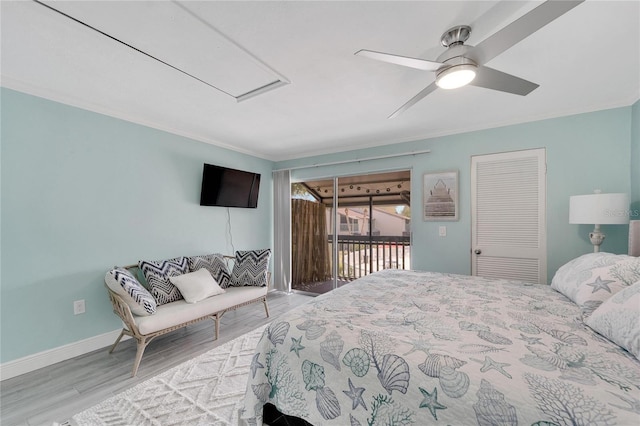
<point x="407" y="347"/>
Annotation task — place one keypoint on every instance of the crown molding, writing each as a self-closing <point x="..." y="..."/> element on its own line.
<point x="51" y="95"/>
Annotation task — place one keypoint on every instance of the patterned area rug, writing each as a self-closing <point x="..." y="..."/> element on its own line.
<point x="205" y="390"/>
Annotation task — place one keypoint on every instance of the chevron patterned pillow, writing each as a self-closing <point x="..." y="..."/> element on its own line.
<point x="215" y="264"/>
<point x="123" y="283"/>
<point x="157" y="273"/>
<point x="250" y="268"/>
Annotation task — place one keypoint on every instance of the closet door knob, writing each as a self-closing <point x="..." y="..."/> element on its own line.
<point x="477" y="251"/>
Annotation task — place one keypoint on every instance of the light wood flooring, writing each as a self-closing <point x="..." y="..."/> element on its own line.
<point x="56" y="393"/>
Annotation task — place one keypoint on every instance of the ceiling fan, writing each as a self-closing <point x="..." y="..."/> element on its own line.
<point x="461" y="64"/>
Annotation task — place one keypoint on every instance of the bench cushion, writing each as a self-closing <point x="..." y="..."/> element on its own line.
<point x="175" y="313"/>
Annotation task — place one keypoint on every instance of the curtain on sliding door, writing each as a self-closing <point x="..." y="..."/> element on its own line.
<point x="282" y="230"/>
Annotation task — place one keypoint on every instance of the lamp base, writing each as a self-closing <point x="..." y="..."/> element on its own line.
<point x="596" y="237"/>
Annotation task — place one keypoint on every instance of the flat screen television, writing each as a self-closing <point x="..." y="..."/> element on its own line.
<point x="225" y="187"/>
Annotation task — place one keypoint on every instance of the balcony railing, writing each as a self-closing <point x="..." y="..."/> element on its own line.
<point x="360" y="255"/>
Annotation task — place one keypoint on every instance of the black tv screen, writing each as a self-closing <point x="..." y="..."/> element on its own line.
<point x="226" y="187"/>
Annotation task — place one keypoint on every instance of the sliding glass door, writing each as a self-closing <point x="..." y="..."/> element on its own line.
<point x="348" y="227"/>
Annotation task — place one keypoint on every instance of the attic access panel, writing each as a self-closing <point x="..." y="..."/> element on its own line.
<point x="175" y="36"/>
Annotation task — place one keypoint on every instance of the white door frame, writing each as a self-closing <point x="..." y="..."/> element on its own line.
<point x="517" y="251"/>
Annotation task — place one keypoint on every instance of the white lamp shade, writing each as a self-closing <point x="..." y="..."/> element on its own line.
<point x="599" y="209"/>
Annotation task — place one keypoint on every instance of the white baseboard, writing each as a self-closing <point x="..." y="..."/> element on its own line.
<point x="52" y="356"/>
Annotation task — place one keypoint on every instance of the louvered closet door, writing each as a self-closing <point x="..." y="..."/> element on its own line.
<point x="508" y="221"/>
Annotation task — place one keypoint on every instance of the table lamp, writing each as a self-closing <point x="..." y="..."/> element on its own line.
<point x="599" y="209"/>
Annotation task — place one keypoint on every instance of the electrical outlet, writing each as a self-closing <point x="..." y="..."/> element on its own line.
<point x="78" y="307"/>
<point x="442" y="231"/>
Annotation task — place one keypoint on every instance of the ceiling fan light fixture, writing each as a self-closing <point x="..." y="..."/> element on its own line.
<point x="456" y="76"/>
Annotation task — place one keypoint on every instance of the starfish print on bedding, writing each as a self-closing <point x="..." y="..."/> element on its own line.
<point x="430" y="401"/>
<point x="356" y="396"/>
<point x="490" y="364"/>
<point x="296" y="345"/>
<point x="531" y="340"/>
<point x="255" y="364"/>
<point x="600" y="284"/>
<point x="421" y="345"/>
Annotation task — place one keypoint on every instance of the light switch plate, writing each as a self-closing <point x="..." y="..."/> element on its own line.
<point x="442" y="231"/>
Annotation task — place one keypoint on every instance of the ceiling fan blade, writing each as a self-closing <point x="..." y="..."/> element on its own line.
<point x="490" y="78"/>
<point x="522" y="28"/>
<point x="424" y="92"/>
<point x="421" y="64"/>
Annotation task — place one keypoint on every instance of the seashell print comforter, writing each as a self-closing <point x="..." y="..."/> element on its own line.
<point x="407" y="347"/>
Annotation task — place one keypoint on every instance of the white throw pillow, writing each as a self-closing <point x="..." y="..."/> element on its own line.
<point x="618" y="319"/>
<point x="196" y="286"/>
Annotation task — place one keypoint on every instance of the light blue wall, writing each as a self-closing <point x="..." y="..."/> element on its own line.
<point x="82" y="192"/>
<point x="584" y="152"/>
<point x="635" y="161"/>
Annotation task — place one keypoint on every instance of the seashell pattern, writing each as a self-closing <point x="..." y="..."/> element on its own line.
<point x="278" y="332"/>
<point x="435" y="362"/>
<point x="427" y="307"/>
<point x="471" y="348"/>
<point x="353" y="421"/>
<point x="470" y="326"/>
<point x="526" y="328"/>
<point x="579" y="375"/>
<point x="327" y="403"/>
<point x="588" y="307"/>
<point x="571" y="354"/>
<point x="537" y="362"/>
<point x="331" y="348"/>
<point x="495" y="338"/>
<point x="313" y="329"/>
<point x="262" y="391"/>
<point x="463" y="310"/>
<point x="394" y="373"/>
<point x="312" y="375"/>
<point x="553" y="359"/>
<point x="529" y="349"/>
<point x="491" y="407"/>
<point x="493" y="320"/>
<point x="568" y="337"/>
<point x="454" y="383"/>
<point x="358" y="361"/>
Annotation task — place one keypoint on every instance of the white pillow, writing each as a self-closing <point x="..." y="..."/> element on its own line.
<point x="618" y="319"/>
<point x="570" y="276"/>
<point x="196" y="286"/>
<point x="606" y="281"/>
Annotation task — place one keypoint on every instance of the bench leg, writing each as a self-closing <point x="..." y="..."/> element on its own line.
<point x="113" y="347"/>
<point x="217" y="320"/>
<point x="142" y="345"/>
<point x="266" y="307"/>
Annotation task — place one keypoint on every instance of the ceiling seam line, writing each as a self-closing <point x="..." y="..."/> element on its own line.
<point x="132" y="47"/>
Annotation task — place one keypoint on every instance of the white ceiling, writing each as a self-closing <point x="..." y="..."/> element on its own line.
<point x="588" y="59"/>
